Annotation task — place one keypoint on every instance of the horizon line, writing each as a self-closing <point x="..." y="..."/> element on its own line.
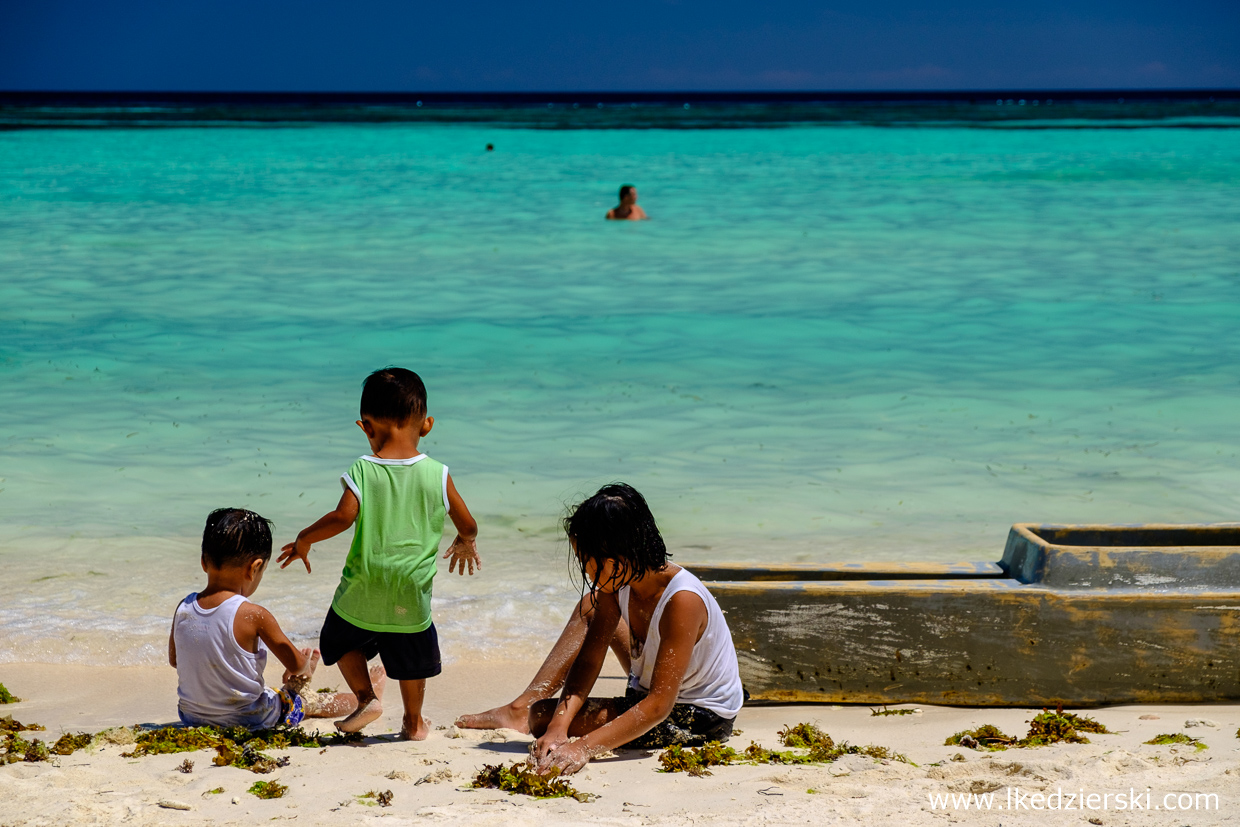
<point x="806" y="94"/>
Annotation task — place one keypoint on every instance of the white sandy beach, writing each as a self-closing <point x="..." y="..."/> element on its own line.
<point x="98" y="786"/>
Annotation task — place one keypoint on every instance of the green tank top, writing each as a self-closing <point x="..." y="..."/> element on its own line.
<point x="386" y="582"/>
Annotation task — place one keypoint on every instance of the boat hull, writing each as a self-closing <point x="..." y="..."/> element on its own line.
<point x="1097" y="626"/>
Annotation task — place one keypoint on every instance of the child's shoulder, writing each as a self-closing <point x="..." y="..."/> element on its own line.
<point x="380" y="467"/>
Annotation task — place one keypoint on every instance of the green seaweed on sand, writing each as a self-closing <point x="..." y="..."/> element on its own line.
<point x="1056" y="727"/>
<point x="171" y="739"/>
<point x="189" y="739"/>
<point x="68" y="744"/>
<point x="824" y="750"/>
<point x="7" y="697"/>
<point x="1084" y="724"/>
<point x="757" y="754"/>
<point x="383" y="799"/>
<point x="810" y="745"/>
<point x="216" y="791"/>
<point x="1046" y="728"/>
<point x="36" y="750"/>
<point x="286" y="739"/>
<point x="227" y="754"/>
<point x="697" y="760"/>
<point x="805" y="736"/>
<point x="987" y="736"/>
<point x="875" y="752"/>
<point x="9" y="725"/>
<point x="15" y="748"/>
<point x="1170" y="739"/>
<point x="886" y="711"/>
<point x="267" y="789"/>
<point x="521" y="778"/>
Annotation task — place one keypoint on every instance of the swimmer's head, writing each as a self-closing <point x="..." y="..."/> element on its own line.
<point x="236" y="537"/>
<point x="396" y="395"/>
<point x="629" y="192"/>
<point x="615" y="538"/>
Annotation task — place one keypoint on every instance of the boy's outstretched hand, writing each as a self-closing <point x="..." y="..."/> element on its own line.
<point x="297" y="550"/>
<point x="463" y="552"/>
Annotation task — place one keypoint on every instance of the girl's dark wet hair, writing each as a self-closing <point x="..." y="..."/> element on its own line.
<point x="394" y="394"/>
<point x="616" y="524"/>
<point x="234" y="537"/>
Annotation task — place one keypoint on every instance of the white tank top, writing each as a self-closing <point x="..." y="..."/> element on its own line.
<point x="713" y="679"/>
<point x="218" y="682"/>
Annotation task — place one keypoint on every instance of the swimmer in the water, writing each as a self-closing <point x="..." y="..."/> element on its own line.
<point x="627" y="209"/>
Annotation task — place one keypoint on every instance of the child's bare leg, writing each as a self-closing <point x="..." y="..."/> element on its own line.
<point x="595" y="713"/>
<point x="337" y="704"/>
<point x="551" y="675"/>
<point x="369" y="703"/>
<point x="414" y="727"/>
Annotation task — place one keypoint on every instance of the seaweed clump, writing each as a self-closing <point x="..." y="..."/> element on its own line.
<point x="1168" y="739"/>
<point x="823" y="750"/>
<point x="809" y="745"/>
<point x="886" y="711"/>
<point x="805" y="736"/>
<point x="267" y="789"/>
<point x="68" y="744"/>
<point x="383" y="799"/>
<point x="9" y="725"/>
<point x="987" y="736"/>
<point x="7" y="697"/>
<point x="172" y="739"/>
<point x="519" y="777"/>
<point x="188" y="739"/>
<point x="1058" y="727"/>
<point x="246" y="758"/>
<point x="234" y="746"/>
<point x="1046" y="728"/>
<point x="697" y="760"/>
<point x="16" y="748"/>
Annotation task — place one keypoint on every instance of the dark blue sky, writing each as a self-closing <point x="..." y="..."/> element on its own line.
<point x="385" y="45"/>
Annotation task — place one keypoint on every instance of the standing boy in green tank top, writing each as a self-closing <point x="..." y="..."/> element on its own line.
<point x="398" y="498"/>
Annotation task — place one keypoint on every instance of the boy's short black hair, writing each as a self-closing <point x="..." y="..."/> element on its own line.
<point x="616" y="524"/>
<point x="624" y="190"/>
<point x="234" y="537"/>
<point x="394" y="394"/>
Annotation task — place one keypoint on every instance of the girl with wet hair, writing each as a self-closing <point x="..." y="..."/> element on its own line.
<point x="665" y="628"/>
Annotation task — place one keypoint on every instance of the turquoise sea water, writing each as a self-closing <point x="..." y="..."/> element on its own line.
<point x="830" y="343"/>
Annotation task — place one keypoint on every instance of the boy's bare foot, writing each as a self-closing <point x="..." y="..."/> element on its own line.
<point x="368" y="711"/>
<point x="417" y="733"/>
<point x="510" y="716"/>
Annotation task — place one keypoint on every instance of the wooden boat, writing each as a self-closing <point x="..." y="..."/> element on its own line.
<point x="1074" y="614"/>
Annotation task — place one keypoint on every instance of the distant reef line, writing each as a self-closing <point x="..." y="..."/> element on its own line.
<point x="1048" y="108"/>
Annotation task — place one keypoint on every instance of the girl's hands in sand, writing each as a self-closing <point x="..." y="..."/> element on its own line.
<point x="463" y="552"/>
<point x="299" y="549"/>
<point x="568" y="758"/>
<point x="545" y="746"/>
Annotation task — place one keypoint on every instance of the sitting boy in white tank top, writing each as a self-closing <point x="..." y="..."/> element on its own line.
<point x="220" y="640"/>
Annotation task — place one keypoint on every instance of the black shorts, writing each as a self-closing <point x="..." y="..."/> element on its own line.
<point x="407" y="656"/>
<point x="687" y="725"/>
